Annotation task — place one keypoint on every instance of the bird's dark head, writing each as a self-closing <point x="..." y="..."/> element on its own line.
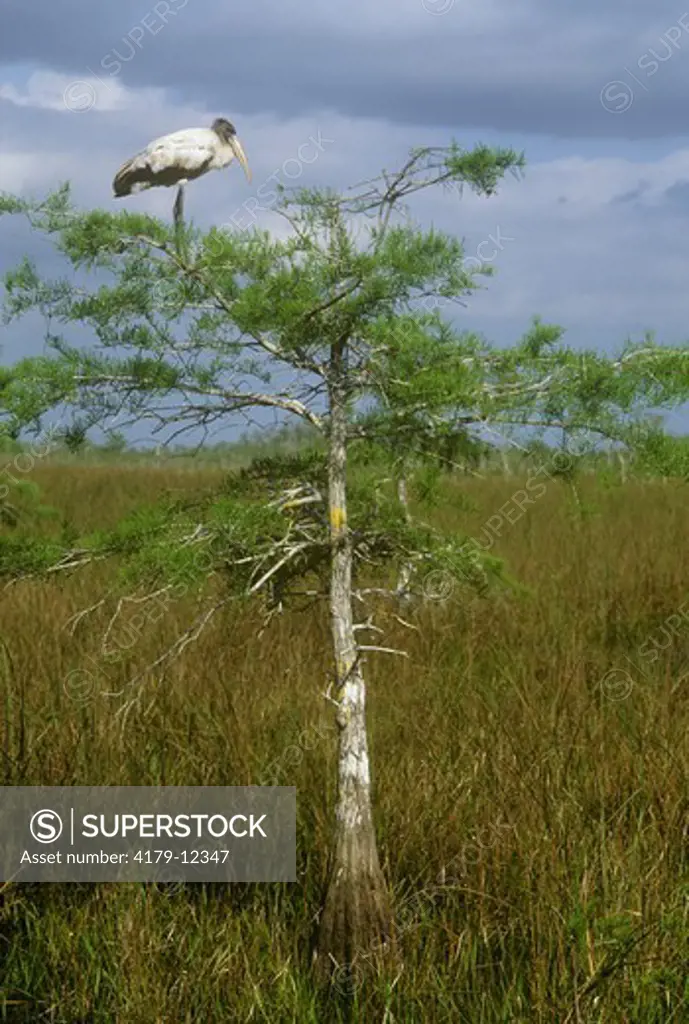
<point x="227" y="133"/>
<point x="224" y="129"/>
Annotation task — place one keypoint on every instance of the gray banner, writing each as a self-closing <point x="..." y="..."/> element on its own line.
<point x="148" y="833"/>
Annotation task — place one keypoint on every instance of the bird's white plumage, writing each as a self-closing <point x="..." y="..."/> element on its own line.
<point x="191" y="150"/>
<point x="180" y="157"/>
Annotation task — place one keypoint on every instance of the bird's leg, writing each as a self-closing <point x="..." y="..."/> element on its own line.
<point x="179" y="207"/>
<point x="178" y="213"/>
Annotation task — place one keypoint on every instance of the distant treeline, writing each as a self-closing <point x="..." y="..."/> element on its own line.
<point x="660" y="455"/>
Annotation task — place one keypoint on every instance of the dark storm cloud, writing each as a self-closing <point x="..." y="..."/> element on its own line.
<point x="633" y="195"/>
<point x="678" y="195"/>
<point x="618" y="70"/>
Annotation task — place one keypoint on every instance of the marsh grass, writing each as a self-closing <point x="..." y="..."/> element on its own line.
<point x="531" y="799"/>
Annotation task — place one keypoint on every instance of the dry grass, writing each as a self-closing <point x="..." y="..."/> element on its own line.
<point x="531" y="799"/>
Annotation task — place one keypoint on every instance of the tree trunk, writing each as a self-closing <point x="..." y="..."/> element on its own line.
<point x="623" y="467"/>
<point x="356" y="917"/>
<point x="406" y="571"/>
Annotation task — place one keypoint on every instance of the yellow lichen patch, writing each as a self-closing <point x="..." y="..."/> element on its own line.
<point x="338" y="517"/>
<point x="343" y="667"/>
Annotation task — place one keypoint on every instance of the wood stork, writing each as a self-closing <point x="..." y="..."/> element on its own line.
<point x="179" y="158"/>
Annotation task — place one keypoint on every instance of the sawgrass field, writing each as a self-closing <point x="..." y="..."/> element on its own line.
<point x="530" y="764"/>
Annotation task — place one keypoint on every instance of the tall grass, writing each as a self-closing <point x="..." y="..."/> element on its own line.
<point x="530" y="765"/>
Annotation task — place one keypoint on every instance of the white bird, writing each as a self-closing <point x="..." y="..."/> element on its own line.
<point x="179" y="158"/>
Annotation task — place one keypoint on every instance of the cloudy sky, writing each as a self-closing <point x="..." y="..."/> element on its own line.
<point x="594" y="237"/>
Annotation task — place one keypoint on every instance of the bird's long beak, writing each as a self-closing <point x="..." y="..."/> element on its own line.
<point x="241" y="155"/>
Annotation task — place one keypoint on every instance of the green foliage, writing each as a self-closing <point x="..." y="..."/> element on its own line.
<point x="23" y="506"/>
<point x="23" y="555"/>
<point x="74" y="437"/>
<point x="271" y="473"/>
<point x="116" y="442"/>
<point x="659" y="454"/>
